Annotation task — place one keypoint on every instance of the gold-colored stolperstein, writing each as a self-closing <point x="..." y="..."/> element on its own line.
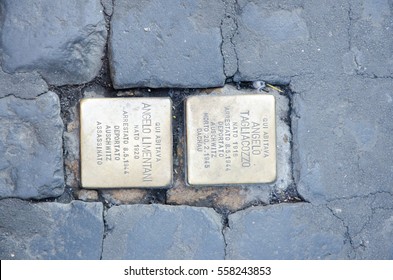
<point x="231" y="139"/>
<point x="126" y="142"/>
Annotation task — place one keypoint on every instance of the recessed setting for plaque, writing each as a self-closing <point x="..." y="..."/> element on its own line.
<point x="231" y="139"/>
<point x="126" y="142"/>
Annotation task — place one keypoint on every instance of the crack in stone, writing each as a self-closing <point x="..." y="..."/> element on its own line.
<point x="348" y="237"/>
<point x="371" y="76"/>
<point x="22" y="98"/>
<point x="303" y="75"/>
<point x="349" y="35"/>
<point x="367" y="223"/>
<point x="228" y="29"/>
<point x="104" y="233"/>
<point x="221" y="47"/>
<point x="106" y="207"/>
<point x="358" y="67"/>
<point x="371" y="214"/>
<point x="359" y="196"/>
<point x="232" y="37"/>
<point x="225" y="225"/>
<point x="108" y="18"/>
<point x="104" y="7"/>
<point x="349" y="28"/>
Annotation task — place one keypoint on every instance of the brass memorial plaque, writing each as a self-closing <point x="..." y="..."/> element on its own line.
<point x="231" y="139"/>
<point x="126" y="142"/>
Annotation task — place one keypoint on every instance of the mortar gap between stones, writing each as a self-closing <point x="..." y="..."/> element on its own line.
<point x="105" y="209"/>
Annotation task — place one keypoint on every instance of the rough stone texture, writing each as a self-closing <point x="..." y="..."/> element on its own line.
<point x="292" y="231"/>
<point x="50" y="230"/>
<point x="277" y="40"/>
<point x="342" y="147"/>
<point x="234" y="198"/>
<point x="63" y="41"/>
<point x="370" y="224"/>
<point x="31" y="165"/>
<point x="163" y="232"/>
<point x="23" y="85"/>
<point x="166" y="44"/>
<point x="371" y="38"/>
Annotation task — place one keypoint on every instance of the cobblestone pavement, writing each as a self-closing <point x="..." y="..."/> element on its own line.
<point x="332" y="60"/>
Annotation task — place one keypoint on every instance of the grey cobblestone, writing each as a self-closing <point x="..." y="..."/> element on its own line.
<point x="31" y="165"/>
<point x="370" y="38"/>
<point x="294" y="231"/>
<point x="23" y="85"/>
<point x="370" y="224"/>
<point x="342" y="145"/>
<point x="163" y="232"/>
<point x="166" y="44"/>
<point x="50" y="230"/>
<point x="280" y="39"/>
<point x="63" y="40"/>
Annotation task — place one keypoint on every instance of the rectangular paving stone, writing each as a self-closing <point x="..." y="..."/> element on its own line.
<point x="50" y="230"/>
<point x="163" y="232"/>
<point x="371" y="38"/>
<point x="231" y="139"/>
<point x="294" y="231"/>
<point x="31" y="147"/>
<point x="63" y="41"/>
<point x="164" y="44"/>
<point x="277" y="40"/>
<point x="343" y="144"/>
<point x="126" y="142"/>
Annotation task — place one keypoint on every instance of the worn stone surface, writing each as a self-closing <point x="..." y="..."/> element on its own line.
<point x="286" y="231"/>
<point x="163" y="232"/>
<point x="166" y="44"/>
<point x="343" y="136"/>
<point x="50" y="230"/>
<point x="370" y="224"/>
<point x="371" y="38"/>
<point x="63" y="41"/>
<point x="237" y="197"/>
<point x="23" y="85"/>
<point x="277" y="40"/>
<point x="31" y="165"/>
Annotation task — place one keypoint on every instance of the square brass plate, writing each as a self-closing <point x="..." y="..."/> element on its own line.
<point x="126" y="142"/>
<point x="231" y="139"/>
